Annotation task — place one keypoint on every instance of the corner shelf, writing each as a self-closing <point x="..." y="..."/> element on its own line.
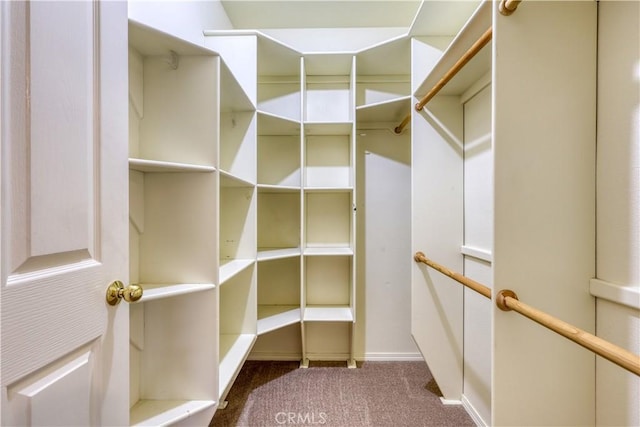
<point x="166" y="412"/>
<point x="159" y="291"/>
<point x="479" y="65"/>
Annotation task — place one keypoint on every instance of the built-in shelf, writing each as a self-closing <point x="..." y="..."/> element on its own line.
<point x="272" y="317"/>
<point x="387" y="111"/>
<point x="328" y="128"/>
<point x="478" y="66"/>
<point x="328" y="251"/>
<point x="229" y="180"/>
<point x="143" y="165"/>
<point x="274" y="124"/>
<point x="267" y="188"/>
<point x="328" y="314"/>
<point x="267" y="254"/>
<point x="166" y="412"/>
<point x="158" y="291"/>
<point x="230" y="268"/>
<point x="234" y="350"/>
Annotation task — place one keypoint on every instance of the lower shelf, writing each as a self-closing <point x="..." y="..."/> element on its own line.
<point x="272" y="317"/>
<point x="234" y="349"/>
<point x="328" y="314"/>
<point x="167" y="412"/>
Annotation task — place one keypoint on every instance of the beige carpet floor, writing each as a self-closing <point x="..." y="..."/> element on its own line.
<point x="377" y="394"/>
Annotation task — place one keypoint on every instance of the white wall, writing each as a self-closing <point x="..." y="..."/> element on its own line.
<point x="383" y="324"/>
<point x="618" y="212"/>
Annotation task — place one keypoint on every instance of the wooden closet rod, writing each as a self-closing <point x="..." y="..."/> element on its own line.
<point x="473" y="50"/>
<point x="507" y="7"/>
<point x="471" y="284"/>
<point x="402" y="124"/>
<point x="507" y="300"/>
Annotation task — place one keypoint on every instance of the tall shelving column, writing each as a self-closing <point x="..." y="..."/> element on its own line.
<point x="279" y="192"/>
<point x="237" y="198"/>
<point x="173" y="88"/>
<point x="328" y="209"/>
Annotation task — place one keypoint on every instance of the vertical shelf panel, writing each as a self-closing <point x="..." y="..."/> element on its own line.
<point x="237" y="222"/>
<point x="544" y="169"/>
<point x="238" y="144"/>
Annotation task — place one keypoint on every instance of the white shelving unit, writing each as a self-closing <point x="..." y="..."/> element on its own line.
<point x="328" y="208"/>
<point x="238" y="199"/>
<point x="173" y="214"/>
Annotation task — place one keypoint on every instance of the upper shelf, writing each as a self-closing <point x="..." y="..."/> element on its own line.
<point x="389" y="58"/>
<point x="479" y="22"/>
<point x="388" y="111"/>
<point x="153" y="42"/>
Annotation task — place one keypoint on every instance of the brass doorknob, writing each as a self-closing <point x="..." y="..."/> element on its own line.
<point x="117" y="292"/>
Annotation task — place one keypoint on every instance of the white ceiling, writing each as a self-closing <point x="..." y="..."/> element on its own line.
<point x="434" y="17"/>
<point x="261" y="14"/>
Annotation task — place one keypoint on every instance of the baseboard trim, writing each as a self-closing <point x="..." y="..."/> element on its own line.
<point x="285" y="357"/>
<point x="450" y="402"/>
<point x="390" y="357"/>
<point x="367" y="357"/>
<point x="475" y="416"/>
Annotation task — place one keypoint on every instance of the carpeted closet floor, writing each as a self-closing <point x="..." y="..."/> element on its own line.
<point x="377" y="394"/>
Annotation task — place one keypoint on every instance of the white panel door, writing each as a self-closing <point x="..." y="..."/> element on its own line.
<point x="64" y="213"/>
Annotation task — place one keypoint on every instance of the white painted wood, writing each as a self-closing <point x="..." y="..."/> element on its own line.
<point x="624" y="295"/>
<point x="477" y="24"/>
<point x="327" y="340"/>
<point x="273" y="317"/>
<point x="185" y="375"/>
<point x="271" y="254"/>
<point x="327" y="251"/>
<point x="394" y="110"/>
<point x="229" y="268"/>
<point x="279" y="282"/>
<point x="145" y="413"/>
<point x="426" y="51"/>
<point x="328" y="161"/>
<point x="480" y="254"/>
<point x="618" y="167"/>
<point x="175" y="126"/>
<point x="240" y="55"/>
<point x="176" y="246"/>
<point x="328" y="314"/>
<point x="544" y="201"/>
<point x="390" y="58"/>
<point x="233" y="352"/>
<point x="279" y="220"/>
<point x="237" y="231"/>
<point x="328" y="280"/>
<point x="617" y="285"/>
<point x="383" y="245"/>
<point x="63" y="222"/>
<point x="238" y="144"/>
<point x="328" y="219"/>
<point x="143" y="165"/>
<point x="436" y="223"/>
<point x="158" y="291"/>
<point x="441" y="17"/>
<point x="478" y="171"/>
